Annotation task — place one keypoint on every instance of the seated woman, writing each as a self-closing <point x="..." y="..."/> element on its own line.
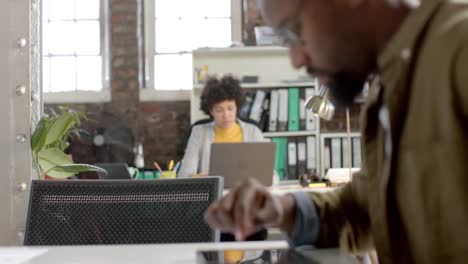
<point x="221" y="99"/>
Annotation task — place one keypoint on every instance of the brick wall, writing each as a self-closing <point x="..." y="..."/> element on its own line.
<point x="163" y="130"/>
<point x="161" y="127"/>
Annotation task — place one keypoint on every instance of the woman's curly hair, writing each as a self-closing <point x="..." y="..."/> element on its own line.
<point x="219" y="90"/>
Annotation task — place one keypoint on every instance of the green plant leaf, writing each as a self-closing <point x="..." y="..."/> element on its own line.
<point x="51" y="160"/>
<point x="54" y="156"/>
<point x="46" y="165"/>
<point x="57" y="164"/>
<point x="60" y="174"/>
<point x="59" y="128"/>
<point x="39" y="135"/>
<point x="49" y="169"/>
<point x="75" y="168"/>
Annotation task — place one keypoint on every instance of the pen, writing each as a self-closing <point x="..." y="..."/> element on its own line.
<point x="176" y="167"/>
<point x="157" y="167"/>
<point x="171" y="164"/>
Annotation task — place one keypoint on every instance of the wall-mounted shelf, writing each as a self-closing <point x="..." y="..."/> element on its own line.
<point x="289" y="134"/>
<point x="273" y="67"/>
<point x="255" y="50"/>
<point x="268" y="85"/>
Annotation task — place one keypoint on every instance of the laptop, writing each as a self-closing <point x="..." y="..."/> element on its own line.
<point x="115" y="171"/>
<point x="239" y="161"/>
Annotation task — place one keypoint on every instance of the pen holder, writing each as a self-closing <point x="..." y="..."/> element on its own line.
<point x="167" y="174"/>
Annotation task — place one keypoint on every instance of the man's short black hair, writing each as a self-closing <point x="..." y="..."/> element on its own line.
<point x="219" y="90"/>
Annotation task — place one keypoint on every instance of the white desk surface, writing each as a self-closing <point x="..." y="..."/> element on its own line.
<point x="284" y="189"/>
<point x="158" y="253"/>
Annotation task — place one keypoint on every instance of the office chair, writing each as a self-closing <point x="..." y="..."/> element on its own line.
<point x="121" y="211"/>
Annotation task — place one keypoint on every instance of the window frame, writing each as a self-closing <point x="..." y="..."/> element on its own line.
<point x="86" y="96"/>
<point x="149" y="91"/>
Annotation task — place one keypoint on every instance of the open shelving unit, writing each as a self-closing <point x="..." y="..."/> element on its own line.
<point x="272" y="67"/>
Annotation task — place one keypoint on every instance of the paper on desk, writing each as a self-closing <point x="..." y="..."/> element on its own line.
<point x="340" y="175"/>
<point x="17" y="255"/>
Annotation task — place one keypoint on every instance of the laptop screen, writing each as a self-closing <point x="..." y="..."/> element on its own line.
<point x="239" y="161"/>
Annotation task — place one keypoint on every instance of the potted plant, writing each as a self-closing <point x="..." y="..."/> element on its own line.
<point x="49" y="141"/>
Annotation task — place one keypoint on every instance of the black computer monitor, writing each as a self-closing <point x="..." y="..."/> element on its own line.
<point x="115" y="171"/>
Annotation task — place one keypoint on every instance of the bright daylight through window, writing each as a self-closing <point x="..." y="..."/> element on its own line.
<point x="73" y="45"/>
<point x="174" y="30"/>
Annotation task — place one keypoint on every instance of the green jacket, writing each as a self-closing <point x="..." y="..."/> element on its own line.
<point x="410" y="200"/>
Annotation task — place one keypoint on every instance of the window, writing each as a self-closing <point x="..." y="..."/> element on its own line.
<point x="176" y="27"/>
<point x="74" y="38"/>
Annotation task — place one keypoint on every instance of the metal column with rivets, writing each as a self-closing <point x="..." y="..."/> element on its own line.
<point x="20" y="102"/>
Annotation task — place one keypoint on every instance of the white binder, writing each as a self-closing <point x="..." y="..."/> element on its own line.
<point x="274" y="101"/>
<point x="356" y="152"/>
<point x="257" y="107"/>
<point x="336" y="153"/>
<point x="345" y="151"/>
<point x="283" y="110"/>
<point x="301" y="156"/>
<point x="326" y="158"/>
<point x="302" y="114"/>
<point x="292" y="159"/>
<point x="311" y="119"/>
<point x="311" y="155"/>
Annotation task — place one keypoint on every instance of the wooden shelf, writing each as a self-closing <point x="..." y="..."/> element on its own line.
<point x="240" y="50"/>
<point x="340" y="134"/>
<point x="290" y="133"/>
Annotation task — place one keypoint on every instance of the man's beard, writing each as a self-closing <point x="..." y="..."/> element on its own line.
<point x="344" y="87"/>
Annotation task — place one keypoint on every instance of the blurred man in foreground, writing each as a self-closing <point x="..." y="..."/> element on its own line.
<point x="410" y="200"/>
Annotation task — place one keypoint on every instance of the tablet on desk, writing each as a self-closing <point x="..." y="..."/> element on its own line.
<point x="253" y="256"/>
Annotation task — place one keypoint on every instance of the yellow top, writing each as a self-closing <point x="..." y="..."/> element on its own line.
<point x="228" y="135"/>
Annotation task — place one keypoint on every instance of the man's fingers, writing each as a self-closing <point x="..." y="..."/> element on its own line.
<point x="227" y="202"/>
<point x="216" y="218"/>
<point x="242" y="213"/>
<point x="243" y="210"/>
<point x="211" y="217"/>
<point x="226" y="220"/>
<point x="269" y="214"/>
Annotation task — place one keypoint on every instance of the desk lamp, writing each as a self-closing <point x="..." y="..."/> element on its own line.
<point x="322" y="107"/>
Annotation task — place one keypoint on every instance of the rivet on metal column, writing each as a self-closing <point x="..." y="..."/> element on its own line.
<point x="20" y="90"/>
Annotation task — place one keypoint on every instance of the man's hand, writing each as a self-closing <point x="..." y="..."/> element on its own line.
<point x="249" y="207"/>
